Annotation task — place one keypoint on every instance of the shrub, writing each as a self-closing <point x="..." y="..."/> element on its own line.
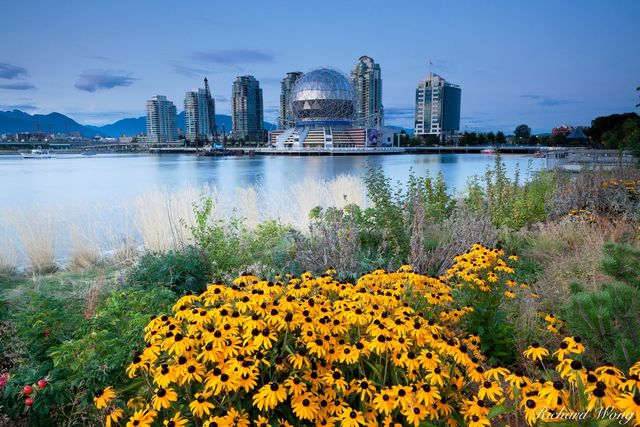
<point x="609" y="319"/>
<point x="76" y="353"/>
<point x="179" y="270"/>
<point x="509" y="202"/>
<point x="220" y="243"/>
<point x="608" y="193"/>
<point x="390" y="348"/>
<point x="622" y="262"/>
<point x="343" y="239"/>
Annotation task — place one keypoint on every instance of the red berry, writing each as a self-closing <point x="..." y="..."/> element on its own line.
<point x="27" y="390"/>
<point x="42" y="383"/>
<point x="28" y="401"/>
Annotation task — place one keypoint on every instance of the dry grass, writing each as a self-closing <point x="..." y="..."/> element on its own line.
<point x="572" y="252"/>
<point x="158" y="220"/>
<point x="36" y="237"/>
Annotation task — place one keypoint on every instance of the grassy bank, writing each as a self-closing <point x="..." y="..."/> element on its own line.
<point x="575" y="238"/>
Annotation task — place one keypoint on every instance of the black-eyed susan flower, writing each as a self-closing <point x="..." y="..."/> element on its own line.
<point x="536" y="352"/>
<point x="112" y="415"/>
<point x="162" y="398"/>
<point x="269" y="395"/>
<point x="177" y="420"/>
<point x="200" y="407"/>
<point x="103" y="397"/>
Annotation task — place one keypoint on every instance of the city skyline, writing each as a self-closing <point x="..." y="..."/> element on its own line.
<point x="524" y="63"/>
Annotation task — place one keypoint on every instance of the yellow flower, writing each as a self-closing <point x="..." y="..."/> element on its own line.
<point x="269" y="395"/>
<point x="200" y="406"/>
<point x="103" y="397"/>
<point x="351" y="418"/>
<point x="163" y="397"/>
<point x="113" y="416"/>
<point x="535" y="352"/>
<point x="176" y="421"/>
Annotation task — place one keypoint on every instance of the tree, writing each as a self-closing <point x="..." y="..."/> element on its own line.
<point x="500" y="139"/>
<point x="491" y="137"/>
<point x="468" y="138"/>
<point x="603" y="124"/>
<point x="522" y="133"/>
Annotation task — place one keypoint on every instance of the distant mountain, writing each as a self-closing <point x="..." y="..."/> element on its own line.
<point x="18" y="121"/>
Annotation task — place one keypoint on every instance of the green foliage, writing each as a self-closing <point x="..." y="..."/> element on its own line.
<point x="622" y="262"/>
<point x="272" y="245"/>
<point x="604" y="124"/>
<point x="491" y="321"/>
<point x="387" y="214"/>
<point x="609" y="320"/>
<point x="220" y="242"/>
<point x="510" y="203"/>
<point x="93" y="358"/>
<point x="180" y="270"/>
<point x="76" y="351"/>
<point x="522" y="133"/>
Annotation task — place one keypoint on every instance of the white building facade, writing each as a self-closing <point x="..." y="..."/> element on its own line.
<point x="161" y="121"/>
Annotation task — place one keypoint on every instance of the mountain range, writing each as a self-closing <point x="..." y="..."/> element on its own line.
<point x="18" y="121"/>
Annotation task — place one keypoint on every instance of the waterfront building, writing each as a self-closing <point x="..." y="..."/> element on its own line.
<point x="367" y="83"/>
<point x="199" y="115"/>
<point x="323" y="106"/>
<point x="161" y="120"/>
<point x="437" y="108"/>
<point x="247" y="110"/>
<point x="286" y="119"/>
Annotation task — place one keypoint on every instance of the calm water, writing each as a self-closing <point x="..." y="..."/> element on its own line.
<point x="103" y="179"/>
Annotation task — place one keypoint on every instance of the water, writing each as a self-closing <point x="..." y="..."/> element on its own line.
<point x="72" y="202"/>
<point x="104" y="179"/>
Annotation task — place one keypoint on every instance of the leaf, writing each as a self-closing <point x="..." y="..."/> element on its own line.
<point x="497" y="410"/>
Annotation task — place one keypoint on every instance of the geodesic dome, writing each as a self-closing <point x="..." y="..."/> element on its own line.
<point x="323" y="95"/>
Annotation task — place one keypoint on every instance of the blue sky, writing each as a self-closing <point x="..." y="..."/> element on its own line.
<point x="543" y="63"/>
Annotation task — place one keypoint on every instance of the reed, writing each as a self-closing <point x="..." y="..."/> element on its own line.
<point x="156" y="220"/>
<point x="36" y="235"/>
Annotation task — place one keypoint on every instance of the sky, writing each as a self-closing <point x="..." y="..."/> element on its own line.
<point x="543" y="63"/>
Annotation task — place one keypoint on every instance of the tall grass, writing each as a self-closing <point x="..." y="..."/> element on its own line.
<point x="157" y="220"/>
<point x="35" y="237"/>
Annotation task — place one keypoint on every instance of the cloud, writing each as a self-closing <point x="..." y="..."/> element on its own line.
<point x="233" y="56"/>
<point x="545" y="101"/>
<point x="93" y="80"/>
<point x="23" y="107"/>
<point x="17" y="86"/>
<point x="8" y="71"/>
<point x="189" y="71"/>
<point x="392" y="113"/>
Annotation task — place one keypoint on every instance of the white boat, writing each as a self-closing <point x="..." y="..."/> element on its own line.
<point x="489" y="151"/>
<point x="38" y="153"/>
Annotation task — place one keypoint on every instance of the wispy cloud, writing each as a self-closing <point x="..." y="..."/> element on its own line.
<point x="9" y="71"/>
<point x="233" y="56"/>
<point x="17" y="86"/>
<point x="546" y="101"/>
<point x="93" y="80"/>
<point x="190" y="71"/>
<point x="393" y="113"/>
<point x="23" y="107"/>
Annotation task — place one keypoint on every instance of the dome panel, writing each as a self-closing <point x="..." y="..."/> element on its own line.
<point x="330" y="92"/>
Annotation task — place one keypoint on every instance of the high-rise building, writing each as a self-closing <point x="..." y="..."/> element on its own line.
<point x="285" y="120"/>
<point x="211" y="107"/>
<point x="161" y="120"/>
<point x="199" y="115"/>
<point x="247" y="110"/>
<point x="437" y="107"/>
<point x="367" y="83"/>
